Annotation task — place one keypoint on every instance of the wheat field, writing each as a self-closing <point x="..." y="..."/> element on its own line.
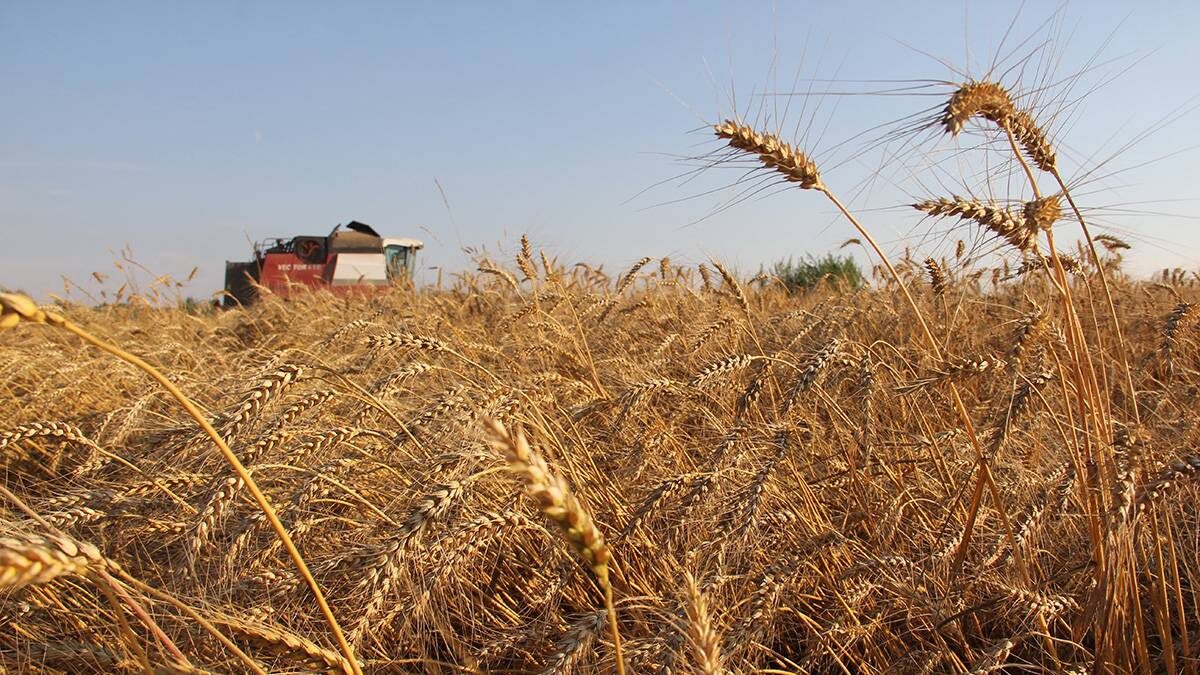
<point x="959" y="468"/>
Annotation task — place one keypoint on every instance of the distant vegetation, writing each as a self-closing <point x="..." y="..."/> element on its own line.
<point x="805" y="274"/>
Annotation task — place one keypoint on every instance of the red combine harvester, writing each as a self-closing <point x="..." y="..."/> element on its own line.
<point x="350" y="260"/>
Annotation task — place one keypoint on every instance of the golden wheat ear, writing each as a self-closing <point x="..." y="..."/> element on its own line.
<point x="1043" y="212"/>
<point x="992" y="102"/>
<point x="794" y="165"/>
<point x="702" y="635"/>
<point x="976" y="99"/>
<point x="1018" y="229"/>
<point x="553" y="497"/>
<point x="556" y="500"/>
<point x="27" y="559"/>
<point x="15" y="308"/>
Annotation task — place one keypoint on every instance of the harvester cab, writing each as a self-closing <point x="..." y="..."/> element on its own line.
<point x="400" y="256"/>
<point x="348" y="260"/>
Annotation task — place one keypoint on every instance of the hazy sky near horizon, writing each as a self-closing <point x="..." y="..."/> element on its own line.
<point x="186" y="130"/>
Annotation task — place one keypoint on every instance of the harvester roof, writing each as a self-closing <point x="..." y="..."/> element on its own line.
<point x="407" y="242"/>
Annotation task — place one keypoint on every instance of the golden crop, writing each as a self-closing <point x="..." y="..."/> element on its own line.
<point x="545" y="469"/>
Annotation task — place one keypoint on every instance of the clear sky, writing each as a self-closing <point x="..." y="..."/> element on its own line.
<point x="184" y="130"/>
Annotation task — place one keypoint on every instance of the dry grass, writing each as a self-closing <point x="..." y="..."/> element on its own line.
<point x="934" y="474"/>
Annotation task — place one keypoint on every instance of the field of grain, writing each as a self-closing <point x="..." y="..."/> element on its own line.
<point x="547" y="468"/>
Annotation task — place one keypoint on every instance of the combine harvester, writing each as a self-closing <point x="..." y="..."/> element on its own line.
<point x="351" y="260"/>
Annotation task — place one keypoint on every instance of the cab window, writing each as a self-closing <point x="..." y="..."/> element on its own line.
<point x="397" y="262"/>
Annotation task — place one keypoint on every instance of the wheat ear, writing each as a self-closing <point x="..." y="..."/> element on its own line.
<point x="37" y="559"/>
<point x="983" y="99"/>
<point x="558" y="503"/>
<point x="705" y="644"/>
<point x="283" y="641"/>
<point x="992" y="102"/>
<point x="1018" y="230"/>
<point x="774" y="153"/>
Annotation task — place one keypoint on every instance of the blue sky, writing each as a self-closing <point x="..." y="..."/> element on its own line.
<point x="185" y="130"/>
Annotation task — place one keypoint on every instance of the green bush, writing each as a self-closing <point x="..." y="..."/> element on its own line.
<point x="196" y="307"/>
<point x="802" y="275"/>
